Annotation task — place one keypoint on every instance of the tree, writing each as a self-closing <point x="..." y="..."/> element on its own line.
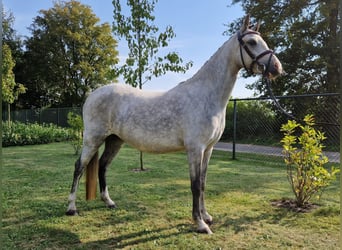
<point x="144" y="42"/>
<point x="10" y="37"/>
<point x="68" y="55"/>
<point x="10" y="89"/>
<point x="304" y="36"/>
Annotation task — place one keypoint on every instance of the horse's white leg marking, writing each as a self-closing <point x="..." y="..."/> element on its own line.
<point x="195" y="158"/>
<point x="72" y="203"/>
<point x="105" y="197"/>
<point x="206" y="216"/>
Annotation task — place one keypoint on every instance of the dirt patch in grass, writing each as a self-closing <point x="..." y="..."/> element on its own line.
<point x="292" y="205"/>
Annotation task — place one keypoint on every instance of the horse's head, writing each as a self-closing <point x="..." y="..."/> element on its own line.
<point x="255" y="56"/>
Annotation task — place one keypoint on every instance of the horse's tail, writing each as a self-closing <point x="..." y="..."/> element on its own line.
<point x="91" y="177"/>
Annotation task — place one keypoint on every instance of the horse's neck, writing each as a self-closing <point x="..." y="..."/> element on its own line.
<point x="218" y="75"/>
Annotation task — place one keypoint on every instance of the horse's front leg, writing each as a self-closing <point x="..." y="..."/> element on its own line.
<point x="206" y="216"/>
<point x="195" y="158"/>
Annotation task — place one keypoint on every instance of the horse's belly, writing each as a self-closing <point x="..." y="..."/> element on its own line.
<point x="161" y="141"/>
<point x="155" y="145"/>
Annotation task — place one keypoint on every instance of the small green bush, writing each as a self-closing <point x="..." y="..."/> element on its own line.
<point x="305" y="160"/>
<point x="20" y="134"/>
<point x="76" y="130"/>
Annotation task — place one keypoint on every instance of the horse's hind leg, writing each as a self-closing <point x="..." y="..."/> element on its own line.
<point x="112" y="147"/>
<point x="88" y="152"/>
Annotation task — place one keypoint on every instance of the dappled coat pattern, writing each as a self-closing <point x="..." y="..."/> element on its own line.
<point x="189" y="117"/>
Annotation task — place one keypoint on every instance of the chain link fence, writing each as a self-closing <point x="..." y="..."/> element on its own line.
<point x="253" y="124"/>
<point x="58" y="116"/>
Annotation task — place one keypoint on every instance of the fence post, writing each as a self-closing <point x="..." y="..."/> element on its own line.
<point x="234" y="128"/>
<point x="57" y="116"/>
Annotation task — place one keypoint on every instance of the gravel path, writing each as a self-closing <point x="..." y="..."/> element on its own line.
<point x="266" y="150"/>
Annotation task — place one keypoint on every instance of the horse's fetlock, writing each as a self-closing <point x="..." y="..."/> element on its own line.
<point x="71" y="212"/>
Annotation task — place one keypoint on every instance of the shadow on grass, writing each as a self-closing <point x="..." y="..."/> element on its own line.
<point x="244" y="222"/>
<point x="36" y="237"/>
<point x="139" y="237"/>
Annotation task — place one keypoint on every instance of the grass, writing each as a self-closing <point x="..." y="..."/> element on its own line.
<point x="154" y="207"/>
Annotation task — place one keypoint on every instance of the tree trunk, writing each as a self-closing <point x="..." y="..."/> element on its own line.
<point x="141" y="162"/>
<point x="9" y="115"/>
<point x="332" y="46"/>
<point x="332" y="56"/>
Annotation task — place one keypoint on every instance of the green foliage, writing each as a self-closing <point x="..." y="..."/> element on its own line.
<point x="305" y="160"/>
<point x="250" y="121"/>
<point x="10" y="37"/>
<point x="68" y="55"/>
<point x="305" y="36"/>
<point x="144" y="42"/>
<point x="20" y="134"/>
<point x="76" y="129"/>
<point x="10" y="89"/>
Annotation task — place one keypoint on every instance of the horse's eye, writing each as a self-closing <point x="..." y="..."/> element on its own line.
<point x="252" y="42"/>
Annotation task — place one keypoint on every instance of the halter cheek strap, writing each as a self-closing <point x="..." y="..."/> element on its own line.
<point x="251" y="55"/>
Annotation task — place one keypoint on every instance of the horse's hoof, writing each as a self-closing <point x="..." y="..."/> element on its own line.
<point x="205" y="230"/>
<point x="112" y="206"/>
<point x="71" y="212"/>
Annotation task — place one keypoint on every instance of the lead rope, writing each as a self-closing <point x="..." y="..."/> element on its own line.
<point x="269" y="89"/>
<point x="268" y="85"/>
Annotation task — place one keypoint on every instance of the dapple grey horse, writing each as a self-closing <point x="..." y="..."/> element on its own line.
<point x="190" y="117"/>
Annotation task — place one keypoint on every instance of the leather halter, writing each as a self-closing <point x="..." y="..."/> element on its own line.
<point x="254" y="58"/>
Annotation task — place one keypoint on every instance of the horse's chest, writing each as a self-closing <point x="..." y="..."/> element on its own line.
<point x="209" y="128"/>
<point x="218" y="124"/>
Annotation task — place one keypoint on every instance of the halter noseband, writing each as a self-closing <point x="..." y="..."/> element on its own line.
<point x="254" y="58"/>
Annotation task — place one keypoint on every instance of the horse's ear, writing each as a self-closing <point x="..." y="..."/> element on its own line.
<point x="257" y="26"/>
<point x="245" y="24"/>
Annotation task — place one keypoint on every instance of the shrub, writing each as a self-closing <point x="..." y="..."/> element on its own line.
<point x="76" y="130"/>
<point x="19" y="134"/>
<point x="305" y="164"/>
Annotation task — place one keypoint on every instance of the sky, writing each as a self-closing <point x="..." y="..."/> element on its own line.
<point x="198" y="25"/>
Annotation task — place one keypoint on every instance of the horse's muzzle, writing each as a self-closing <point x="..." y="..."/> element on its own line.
<point x="274" y="68"/>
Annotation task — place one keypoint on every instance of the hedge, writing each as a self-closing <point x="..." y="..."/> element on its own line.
<point x="19" y="134"/>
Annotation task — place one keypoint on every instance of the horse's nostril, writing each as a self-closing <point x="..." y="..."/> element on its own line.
<point x="276" y="65"/>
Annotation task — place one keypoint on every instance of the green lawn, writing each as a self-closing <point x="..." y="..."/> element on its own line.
<point x="154" y="207"/>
